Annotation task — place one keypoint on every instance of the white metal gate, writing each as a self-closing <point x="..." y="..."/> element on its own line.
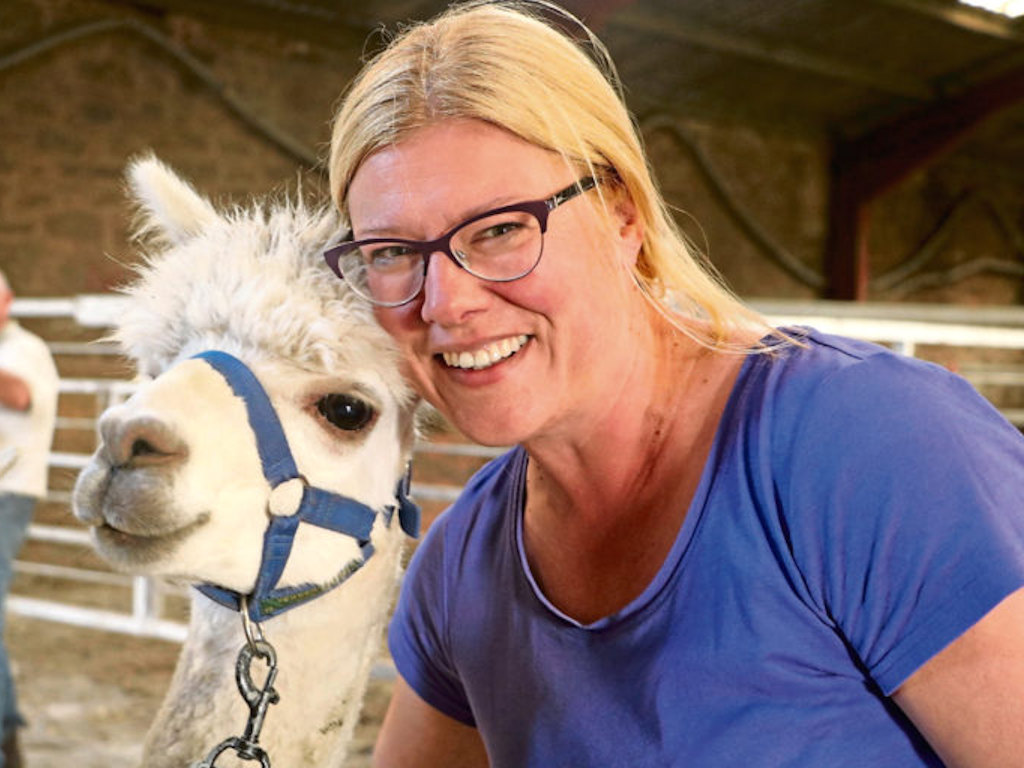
<point x="908" y="328"/>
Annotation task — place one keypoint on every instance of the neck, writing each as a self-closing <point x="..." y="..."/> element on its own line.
<point x="652" y="425"/>
<point x="604" y="505"/>
<point x="325" y="650"/>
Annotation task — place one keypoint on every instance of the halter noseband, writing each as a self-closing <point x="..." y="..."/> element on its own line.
<point x="318" y="507"/>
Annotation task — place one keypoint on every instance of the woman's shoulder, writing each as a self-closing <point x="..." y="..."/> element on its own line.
<point x="849" y="402"/>
<point x="832" y="397"/>
<point x="482" y="501"/>
<point x="844" y="375"/>
<point x="810" y="352"/>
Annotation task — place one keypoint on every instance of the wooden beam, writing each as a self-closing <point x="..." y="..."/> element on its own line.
<point x="883" y="157"/>
<point x="847" y="258"/>
<point x="865" y="167"/>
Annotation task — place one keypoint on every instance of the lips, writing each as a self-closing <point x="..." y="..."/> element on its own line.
<point x="136" y="548"/>
<point x="485" y="356"/>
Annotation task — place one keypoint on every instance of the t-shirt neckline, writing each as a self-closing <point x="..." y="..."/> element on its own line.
<point x="636" y="607"/>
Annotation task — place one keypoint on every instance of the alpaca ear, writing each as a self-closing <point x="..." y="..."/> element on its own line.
<point x="170" y="210"/>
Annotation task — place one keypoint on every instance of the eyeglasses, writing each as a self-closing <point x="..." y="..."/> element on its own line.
<point x="500" y="245"/>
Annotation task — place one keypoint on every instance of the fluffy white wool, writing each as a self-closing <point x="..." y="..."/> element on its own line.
<point x="253" y="279"/>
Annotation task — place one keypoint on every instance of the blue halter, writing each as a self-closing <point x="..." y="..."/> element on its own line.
<point x="317" y="507"/>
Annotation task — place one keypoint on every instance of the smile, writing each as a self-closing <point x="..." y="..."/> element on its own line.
<point x="487" y="355"/>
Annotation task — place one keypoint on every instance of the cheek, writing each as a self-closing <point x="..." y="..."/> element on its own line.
<point x="566" y="271"/>
<point x="401" y="323"/>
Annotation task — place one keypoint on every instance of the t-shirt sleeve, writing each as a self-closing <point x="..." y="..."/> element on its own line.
<point x="904" y="496"/>
<point x="417" y="636"/>
<point x="28" y="358"/>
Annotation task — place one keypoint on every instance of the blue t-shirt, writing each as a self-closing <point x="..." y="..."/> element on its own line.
<point x="858" y="512"/>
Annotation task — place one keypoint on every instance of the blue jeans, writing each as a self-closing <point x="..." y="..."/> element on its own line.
<point x="15" y="514"/>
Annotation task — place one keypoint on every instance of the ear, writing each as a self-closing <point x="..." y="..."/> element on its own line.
<point x="171" y="211"/>
<point x="629" y="225"/>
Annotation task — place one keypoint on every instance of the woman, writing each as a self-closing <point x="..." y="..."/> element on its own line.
<point x="715" y="544"/>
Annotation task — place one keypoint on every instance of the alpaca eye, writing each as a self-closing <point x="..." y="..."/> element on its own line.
<point x="345" y="412"/>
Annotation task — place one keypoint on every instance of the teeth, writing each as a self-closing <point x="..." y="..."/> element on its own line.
<point x="487" y="355"/>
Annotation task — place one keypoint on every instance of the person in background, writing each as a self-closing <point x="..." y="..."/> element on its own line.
<point x="28" y="411"/>
<point x="715" y="543"/>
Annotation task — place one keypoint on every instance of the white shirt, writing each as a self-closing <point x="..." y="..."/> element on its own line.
<point x="25" y="436"/>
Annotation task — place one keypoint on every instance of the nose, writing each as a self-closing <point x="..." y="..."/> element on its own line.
<point x="133" y="441"/>
<point x="450" y="293"/>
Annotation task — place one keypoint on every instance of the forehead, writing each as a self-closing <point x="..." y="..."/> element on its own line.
<point x="447" y="171"/>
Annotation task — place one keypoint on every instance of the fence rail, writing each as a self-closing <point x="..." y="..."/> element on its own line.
<point x="906" y="328"/>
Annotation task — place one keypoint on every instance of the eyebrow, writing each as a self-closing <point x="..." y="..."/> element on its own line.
<point x="388" y="231"/>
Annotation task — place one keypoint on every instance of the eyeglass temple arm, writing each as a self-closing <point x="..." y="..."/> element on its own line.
<point x="578" y="188"/>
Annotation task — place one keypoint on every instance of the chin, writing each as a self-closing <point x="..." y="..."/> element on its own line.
<point x="130" y="551"/>
<point x="487" y="430"/>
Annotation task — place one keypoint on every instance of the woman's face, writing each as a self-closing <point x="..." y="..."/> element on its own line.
<point x="555" y="340"/>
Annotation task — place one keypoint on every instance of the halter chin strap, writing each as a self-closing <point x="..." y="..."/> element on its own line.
<point x="319" y="507"/>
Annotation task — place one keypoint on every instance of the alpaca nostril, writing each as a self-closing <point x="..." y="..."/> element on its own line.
<point x="141" y="441"/>
<point x="141" y="448"/>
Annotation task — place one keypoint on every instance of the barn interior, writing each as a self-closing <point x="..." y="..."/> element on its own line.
<point x="859" y="163"/>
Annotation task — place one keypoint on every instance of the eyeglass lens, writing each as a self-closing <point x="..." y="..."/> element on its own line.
<point x="500" y="247"/>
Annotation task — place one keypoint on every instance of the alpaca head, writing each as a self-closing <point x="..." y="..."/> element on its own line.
<point x="176" y="487"/>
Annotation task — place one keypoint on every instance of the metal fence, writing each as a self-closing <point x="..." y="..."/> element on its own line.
<point x="964" y="335"/>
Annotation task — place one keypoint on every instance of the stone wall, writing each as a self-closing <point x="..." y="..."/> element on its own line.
<point x="71" y="117"/>
<point x="78" y="101"/>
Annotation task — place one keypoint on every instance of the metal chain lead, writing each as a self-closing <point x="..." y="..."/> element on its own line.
<point x="258" y="698"/>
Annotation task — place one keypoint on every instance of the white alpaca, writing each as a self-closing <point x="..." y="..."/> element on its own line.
<point x="177" y="488"/>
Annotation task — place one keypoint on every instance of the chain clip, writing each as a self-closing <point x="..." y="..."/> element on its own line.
<point x="258" y="698"/>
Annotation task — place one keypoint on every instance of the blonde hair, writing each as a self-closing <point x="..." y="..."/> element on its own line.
<point x="506" y="64"/>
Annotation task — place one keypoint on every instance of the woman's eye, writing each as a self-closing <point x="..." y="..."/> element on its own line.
<point x="500" y="230"/>
<point x="345" y="412"/>
<point x="390" y="258"/>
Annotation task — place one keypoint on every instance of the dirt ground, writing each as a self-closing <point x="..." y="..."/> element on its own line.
<point x="90" y="695"/>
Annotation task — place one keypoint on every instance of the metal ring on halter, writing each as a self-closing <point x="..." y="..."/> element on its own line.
<point x="274" y="499"/>
<point x="253" y="631"/>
